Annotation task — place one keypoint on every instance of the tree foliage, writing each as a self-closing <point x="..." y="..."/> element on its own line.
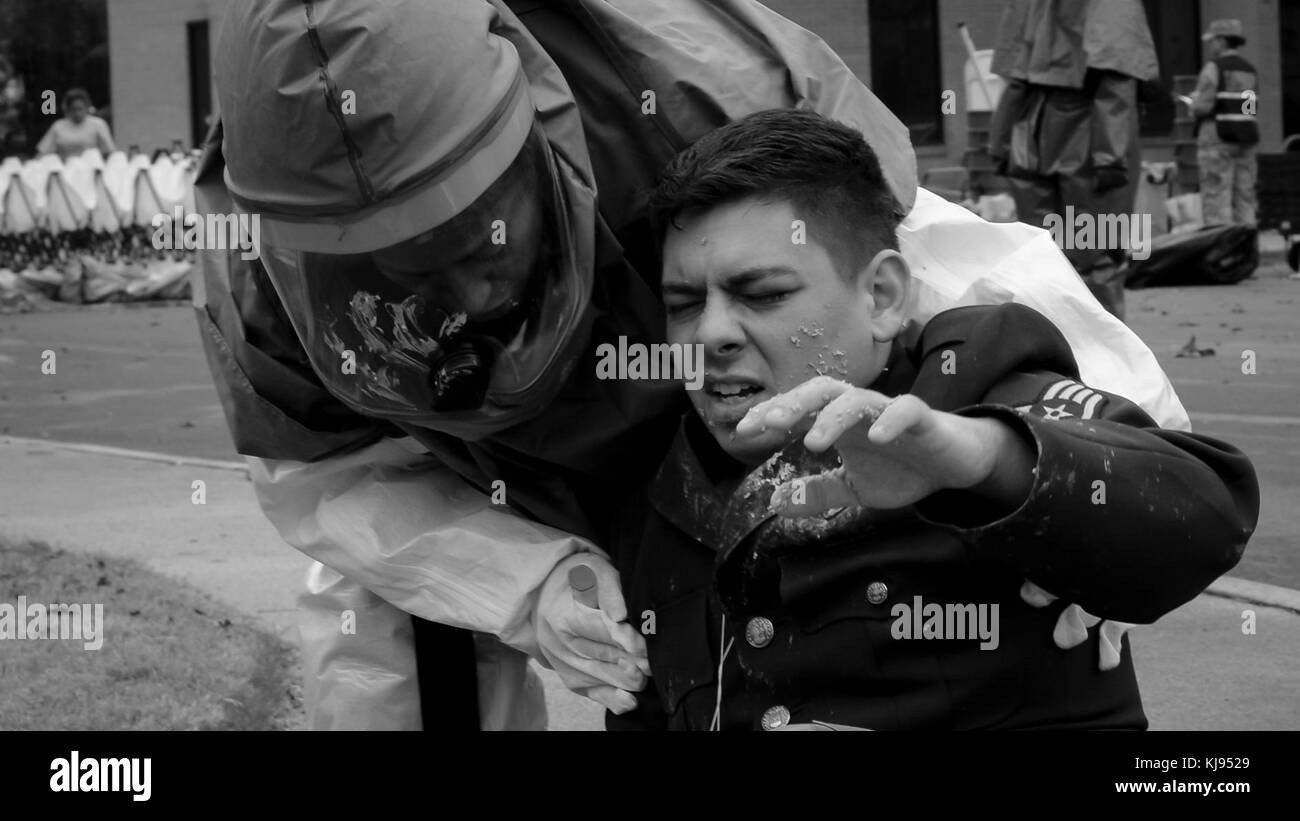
<point x="55" y="45"/>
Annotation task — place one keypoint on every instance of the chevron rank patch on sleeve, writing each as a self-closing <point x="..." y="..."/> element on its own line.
<point x="1066" y="399"/>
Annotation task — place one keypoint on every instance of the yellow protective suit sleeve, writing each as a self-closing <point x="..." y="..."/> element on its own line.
<point x="359" y="668"/>
<point x="358" y="657"/>
<point x="398" y="523"/>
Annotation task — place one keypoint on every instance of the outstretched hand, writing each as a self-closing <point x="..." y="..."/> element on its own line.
<point x="894" y="452"/>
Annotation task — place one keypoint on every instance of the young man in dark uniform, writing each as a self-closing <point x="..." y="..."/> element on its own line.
<point x="869" y="573"/>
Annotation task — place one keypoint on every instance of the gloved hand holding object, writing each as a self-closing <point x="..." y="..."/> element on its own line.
<point x="575" y="639"/>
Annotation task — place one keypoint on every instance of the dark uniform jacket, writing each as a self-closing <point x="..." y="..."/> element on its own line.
<point x="1127" y="520"/>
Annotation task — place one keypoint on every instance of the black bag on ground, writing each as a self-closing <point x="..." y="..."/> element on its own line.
<point x="1214" y="255"/>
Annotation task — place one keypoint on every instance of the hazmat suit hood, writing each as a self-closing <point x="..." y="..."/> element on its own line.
<point x="1055" y="42"/>
<point x="334" y="147"/>
<point x="350" y="166"/>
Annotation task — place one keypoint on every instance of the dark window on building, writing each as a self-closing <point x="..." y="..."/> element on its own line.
<point x="1176" y="29"/>
<point x="200" y="81"/>
<point x="1290" y="24"/>
<point x="905" y="64"/>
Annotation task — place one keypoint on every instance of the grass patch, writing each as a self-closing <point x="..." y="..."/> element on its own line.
<point x="172" y="658"/>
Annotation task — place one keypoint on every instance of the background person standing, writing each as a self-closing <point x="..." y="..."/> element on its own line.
<point x="77" y="131"/>
<point x="1227" y="132"/>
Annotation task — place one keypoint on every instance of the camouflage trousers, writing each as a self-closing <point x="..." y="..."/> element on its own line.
<point x="1228" y="174"/>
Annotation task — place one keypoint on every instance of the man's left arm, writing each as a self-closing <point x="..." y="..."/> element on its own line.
<point x="1125" y="519"/>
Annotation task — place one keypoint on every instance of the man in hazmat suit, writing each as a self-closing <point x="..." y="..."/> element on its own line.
<point x="409" y="363"/>
<point x="1227" y="131"/>
<point x="1066" y="127"/>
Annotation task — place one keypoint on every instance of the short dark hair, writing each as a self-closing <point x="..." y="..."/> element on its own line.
<point x="73" y="94"/>
<point x="823" y="168"/>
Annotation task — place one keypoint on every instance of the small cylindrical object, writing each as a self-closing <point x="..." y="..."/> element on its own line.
<point x="583" y="581"/>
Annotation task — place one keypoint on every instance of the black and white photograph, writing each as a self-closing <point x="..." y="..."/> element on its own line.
<point x="644" y="365"/>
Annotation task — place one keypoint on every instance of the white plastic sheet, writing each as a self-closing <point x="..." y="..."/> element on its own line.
<point x="117" y="180"/>
<point x="19" y="215"/>
<point x="104" y="214"/>
<point x="959" y="259"/>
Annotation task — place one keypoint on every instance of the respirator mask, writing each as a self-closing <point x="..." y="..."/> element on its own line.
<point x="466" y="328"/>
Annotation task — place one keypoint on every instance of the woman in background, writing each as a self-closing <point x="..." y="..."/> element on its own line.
<point x="77" y="131"/>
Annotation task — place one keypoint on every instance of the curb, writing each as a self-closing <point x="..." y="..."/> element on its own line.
<point x="1268" y="595"/>
<point x="124" y="453"/>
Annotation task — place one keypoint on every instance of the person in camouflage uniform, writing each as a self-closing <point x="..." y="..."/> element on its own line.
<point x="1227" y="132"/>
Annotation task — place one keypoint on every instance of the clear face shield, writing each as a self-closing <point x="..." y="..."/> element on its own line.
<point x="466" y="328"/>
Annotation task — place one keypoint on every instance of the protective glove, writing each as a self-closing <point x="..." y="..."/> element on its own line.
<point x="1072" y="626"/>
<point x="594" y="654"/>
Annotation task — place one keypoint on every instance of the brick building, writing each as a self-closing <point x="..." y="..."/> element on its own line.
<point x="909" y="51"/>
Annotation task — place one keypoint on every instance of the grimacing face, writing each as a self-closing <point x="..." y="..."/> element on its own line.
<point x="772" y="313"/>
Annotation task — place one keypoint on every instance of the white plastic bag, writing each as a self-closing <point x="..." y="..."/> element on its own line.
<point x="958" y="259"/>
